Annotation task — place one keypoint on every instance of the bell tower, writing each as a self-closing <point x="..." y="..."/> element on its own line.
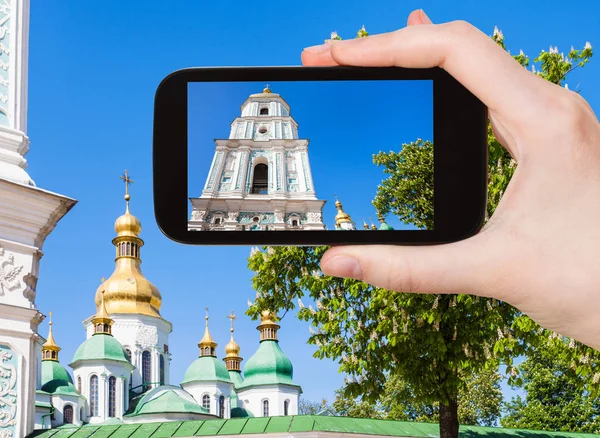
<point x="260" y="177"/>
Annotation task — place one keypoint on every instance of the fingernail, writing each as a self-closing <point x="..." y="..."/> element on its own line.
<point x="318" y="49"/>
<point x="343" y="266"/>
<point x="424" y="17"/>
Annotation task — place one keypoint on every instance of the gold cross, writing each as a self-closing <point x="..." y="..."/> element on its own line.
<point x="232" y="317"/>
<point x="50" y="313"/>
<point x="127" y="181"/>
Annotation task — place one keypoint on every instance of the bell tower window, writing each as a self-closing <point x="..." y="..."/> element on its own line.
<point x="264" y="111"/>
<point x="260" y="180"/>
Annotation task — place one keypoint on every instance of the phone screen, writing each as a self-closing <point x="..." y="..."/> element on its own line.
<point x="310" y="155"/>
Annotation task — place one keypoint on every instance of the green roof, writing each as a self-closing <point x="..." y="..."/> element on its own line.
<point x="268" y="366"/>
<point x="236" y="378"/>
<point x="167" y="399"/>
<point x="55" y="377"/>
<point x="207" y="369"/>
<point x="291" y="424"/>
<point x="101" y="346"/>
<point x="240" y="413"/>
<point x="384" y="226"/>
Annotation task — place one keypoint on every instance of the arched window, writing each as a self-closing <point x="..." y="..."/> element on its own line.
<point x="265" y="408"/>
<point x="294" y="223"/>
<point x="162" y="369"/>
<point x="286" y="407"/>
<point x="222" y="407"/>
<point x="68" y="414"/>
<point x="206" y="402"/>
<point x="264" y="111"/>
<point x="260" y="180"/>
<point x="79" y="384"/>
<point x="80" y="414"/>
<point x="146" y="368"/>
<point x="112" y="396"/>
<point x="94" y="396"/>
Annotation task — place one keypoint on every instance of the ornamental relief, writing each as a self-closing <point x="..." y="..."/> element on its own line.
<point x="4" y="60"/>
<point x="8" y="393"/>
<point x="9" y="272"/>
<point x="146" y="336"/>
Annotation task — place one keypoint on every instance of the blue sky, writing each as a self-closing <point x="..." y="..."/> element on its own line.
<point x="94" y="68"/>
<point x="346" y="122"/>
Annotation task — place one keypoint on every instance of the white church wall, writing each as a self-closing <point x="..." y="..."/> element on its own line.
<point x="252" y="399"/>
<point x="214" y="390"/>
<point x="60" y="402"/>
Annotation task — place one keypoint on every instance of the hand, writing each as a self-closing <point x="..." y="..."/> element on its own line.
<point x="540" y="251"/>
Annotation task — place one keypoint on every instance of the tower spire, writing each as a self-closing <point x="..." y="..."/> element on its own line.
<point x="207" y="345"/>
<point x="102" y="321"/>
<point x="343" y="221"/>
<point x="50" y="349"/>
<point x="127" y="180"/>
<point x="232" y="349"/>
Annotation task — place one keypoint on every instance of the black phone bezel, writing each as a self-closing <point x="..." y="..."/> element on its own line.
<point x="460" y="157"/>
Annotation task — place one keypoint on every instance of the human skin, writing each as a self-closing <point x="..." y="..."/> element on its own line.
<point x="540" y="251"/>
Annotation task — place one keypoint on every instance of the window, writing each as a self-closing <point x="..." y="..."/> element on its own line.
<point x="226" y="179"/>
<point x="162" y="369"/>
<point x="292" y="180"/>
<point x="128" y="352"/>
<point x="112" y="395"/>
<point x="68" y="414"/>
<point x="294" y="223"/>
<point x="222" y="407"/>
<point x="79" y="384"/>
<point x="94" y="396"/>
<point x="286" y="407"/>
<point x="206" y="402"/>
<point x="260" y="180"/>
<point x="146" y="369"/>
<point x="264" y="111"/>
<point x="217" y="221"/>
<point x="266" y="408"/>
<point x="80" y="414"/>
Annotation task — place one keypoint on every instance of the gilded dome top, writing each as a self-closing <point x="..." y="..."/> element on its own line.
<point x="341" y="215"/>
<point x="127" y="290"/>
<point x="232" y="349"/>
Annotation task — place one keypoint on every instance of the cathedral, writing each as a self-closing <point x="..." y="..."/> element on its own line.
<point x="121" y="370"/>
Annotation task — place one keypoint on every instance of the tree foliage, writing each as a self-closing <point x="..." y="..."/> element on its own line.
<point x="556" y="398"/>
<point x="479" y="403"/>
<point x="431" y="343"/>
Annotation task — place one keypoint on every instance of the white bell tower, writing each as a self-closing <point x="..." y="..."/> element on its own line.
<point x="260" y="177"/>
<point x="28" y="214"/>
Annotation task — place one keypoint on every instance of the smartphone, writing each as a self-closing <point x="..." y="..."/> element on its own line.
<point x="318" y="156"/>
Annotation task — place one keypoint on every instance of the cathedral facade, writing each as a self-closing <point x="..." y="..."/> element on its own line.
<point x="260" y="177"/>
<point x="120" y="372"/>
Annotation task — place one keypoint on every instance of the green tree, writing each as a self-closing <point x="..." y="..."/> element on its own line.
<point x="556" y="398"/>
<point x="479" y="403"/>
<point x="307" y="407"/>
<point x="431" y="342"/>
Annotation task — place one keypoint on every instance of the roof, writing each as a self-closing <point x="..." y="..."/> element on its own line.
<point x="207" y="369"/>
<point x="268" y="366"/>
<point x="101" y="346"/>
<point x="54" y="376"/>
<point x="291" y="424"/>
<point x="167" y="399"/>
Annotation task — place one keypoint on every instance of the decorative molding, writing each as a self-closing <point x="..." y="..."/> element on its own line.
<point x="5" y="61"/>
<point x="233" y="216"/>
<point x="30" y="281"/>
<point x="147" y="335"/>
<point x="8" y="392"/>
<point x="314" y="217"/>
<point x="9" y="272"/>
<point x="213" y="173"/>
<point x="198" y="215"/>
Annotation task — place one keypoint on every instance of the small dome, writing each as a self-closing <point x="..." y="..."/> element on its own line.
<point x="240" y="413"/>
<point x="232" y="349"/>
<point x="206" y="369"/>
<point x="56" y="379"/>
<point x="384" y="226"/>
<point x="128" y="225"/>
<point x="269" y="365"/>
<point x="101" y="347"/>
<point x="168" y="399"/>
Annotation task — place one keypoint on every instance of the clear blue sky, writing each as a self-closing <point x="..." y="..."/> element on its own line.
<point x="346" y="122"/>
<point x="94" y="68"/>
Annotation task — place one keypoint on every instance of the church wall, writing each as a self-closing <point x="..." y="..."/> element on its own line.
<point x="252" y="399"/>
<point x="212" y="389"/>
<point x="104" y="371"/>
<point x="60" y="401"/>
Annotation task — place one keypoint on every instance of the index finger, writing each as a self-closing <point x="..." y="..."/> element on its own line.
<point x="469" y="55"/>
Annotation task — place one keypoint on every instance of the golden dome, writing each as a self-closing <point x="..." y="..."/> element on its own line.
<point x="128" y="225"/>
<point x="267" y="89"/>
<point x="127" y="290"/>
<point x="232" y="349"/>
<point x="341" y="215"/>
<point x="50" y="346"/>
<point x="207" y="340"/>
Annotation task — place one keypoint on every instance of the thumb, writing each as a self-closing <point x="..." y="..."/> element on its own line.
<point x="465" y="267"/>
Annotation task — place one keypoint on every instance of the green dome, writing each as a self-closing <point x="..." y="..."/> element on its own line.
<point x="385" y="227"/>
<point x="236" y="378"/>
<point x="207" y="369"/>
<point x="56" y="379"/>
<point x="269" y="365"/>
<point x="168" y="399"/>
<point x="101" y="346"/>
